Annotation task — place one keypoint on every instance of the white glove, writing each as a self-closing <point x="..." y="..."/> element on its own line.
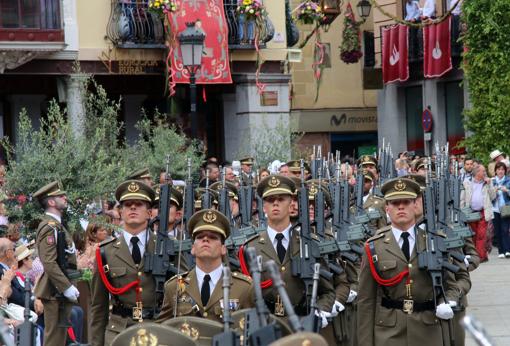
<point x="338" y="307"/>
<point x="466" y="260"/>
<point x="72" y="293"/>
<point x="444" y="311"/>
<point x="323" y="316"/>
<point x="452" y="303"/>
<point x="352" y="296"/>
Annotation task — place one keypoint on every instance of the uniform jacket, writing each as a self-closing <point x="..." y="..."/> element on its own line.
<point x="53" y="280"/>
<point x="380" y="326"/>
<point x="122" y="271"/>
<point x="189" y="302"/>
<point x="489" y="193"/>
<point x="294" y="285"/>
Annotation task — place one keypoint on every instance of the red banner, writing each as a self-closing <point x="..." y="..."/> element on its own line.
<point x="437" y="55"/>
<point x="210" y="17"/>
<point x="395" y="53"/>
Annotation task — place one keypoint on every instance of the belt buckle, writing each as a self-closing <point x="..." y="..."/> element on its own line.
<point x="408" y="306"/>
<point x="138" y="312"/>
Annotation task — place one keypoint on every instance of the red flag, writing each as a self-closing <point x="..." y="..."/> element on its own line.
<point x="437" y="55"/>
<point x="395" y="53"/>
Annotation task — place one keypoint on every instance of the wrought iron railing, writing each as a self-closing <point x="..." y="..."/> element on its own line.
<point x="131" y="25"/>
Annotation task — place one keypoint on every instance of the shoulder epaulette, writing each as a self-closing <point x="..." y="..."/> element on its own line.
<point x="378" y="235"/>
<point x="242" y="277"/>
<point x="180" y="276"/>
<point x="107" y="241"/>
<point x="251" y="238"/>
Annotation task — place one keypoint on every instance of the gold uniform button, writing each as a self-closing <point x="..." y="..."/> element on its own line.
<point x="139" y="273"/>
<point x="283" y="268"/>
<point x="410" y="265"/>
<point x="113" y="326"/>
<point x="411" y="281"/>
<point x="205" y="314"/>
<point x="235" y="274"/>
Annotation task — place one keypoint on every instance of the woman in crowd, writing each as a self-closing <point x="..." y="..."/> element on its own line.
<point x="501" y="224"/>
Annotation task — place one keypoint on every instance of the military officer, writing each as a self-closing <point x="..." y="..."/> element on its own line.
<point x="373" y="202"/>
<point x="233" y="196"/>
<point x="199" y="292"/>
<point x="247" y="168"/>
<point x="280" y="244"/>
<point x="396" y="298"/>
<point x="56" y="288"/>
<point x="295" y="168"/>
<point x="371" y="164"/>
<point x="143" y="175"/>
<point x="122" y="293"/>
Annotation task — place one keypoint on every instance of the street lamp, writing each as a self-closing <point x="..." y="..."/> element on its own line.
<point x="364" y="8"/>
<point x="191" y="41"/>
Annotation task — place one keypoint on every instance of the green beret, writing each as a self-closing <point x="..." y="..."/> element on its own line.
<point x="134" y="190"/>
<point x="52" y="189"/>
<point x="400" y="188"/>
<point x="275" y="185"/>
<point x="209" y="220"/>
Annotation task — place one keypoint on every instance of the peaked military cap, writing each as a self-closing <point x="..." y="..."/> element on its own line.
<point x="49" y="190"/>
<point x="134" y="190"/>
<point x="422" y="163"/>
<point x="295" y="166"/>
<point x="301" y="338"/>
<point x="199" y="329"/>
<point x="297" y="183"/>
<point x="367" y="160"/>
<point x="231" y="188"/>
<point x="400" y="188"/>
<point x="175" y="195"/>
<point x="313" y="189"/>
<point x="209" y="220"/>
<point x="140" y="174"/>
<point x="419" y="179"/>
<point x="199" y="192"/>
<point x="247" y="161"/>
<point x="275" y="185"/>
<point x="149" y="333"/>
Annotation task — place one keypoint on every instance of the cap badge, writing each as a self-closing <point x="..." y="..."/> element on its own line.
<point x="400" y="185"/>
<point x="274" y="182"/>
<point x="133" y="187"/>
<point x="209" y="217"/>
<point x="188" y="330"/>
<point x="366" y="159"/>
<point x="143" y="338"/>
<point x="313" y="190"/>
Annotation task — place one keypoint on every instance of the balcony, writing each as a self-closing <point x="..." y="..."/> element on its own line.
<point x="131" y="25"/>
<point x="30" y="21"/>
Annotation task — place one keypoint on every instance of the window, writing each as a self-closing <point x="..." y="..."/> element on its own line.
<point x="414" y="110"/>
<point x="30" y="14"/>
<point x="454" y="101"/>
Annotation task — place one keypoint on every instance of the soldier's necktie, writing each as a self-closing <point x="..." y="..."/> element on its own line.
<point x="280" y="249"/>
<point x="405" y="245"/>
<point x="205" y="292"/>
<point x="137" y="257"/>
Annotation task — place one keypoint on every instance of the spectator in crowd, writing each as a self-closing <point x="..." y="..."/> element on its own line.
<point x="501" y="225"/>
<point x="412" y="11"/>
<point x="478" y="194"/>
<point x="284" y="170"/>
<point x="94" y="234"/>
<point x="214" y="174"/>
<point x="428" y="10"/>
<point x="402" y="167"/>
<point x="7" y="258"/>
<point x="496" y="156"/>
<point x="13" y="233"/>
<point x="466" y="171"/>
<point x="264" y="172"/>
<point x="229" y="174"/>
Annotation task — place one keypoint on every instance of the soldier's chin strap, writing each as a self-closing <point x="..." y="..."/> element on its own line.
<point x="244" y="268"/>
<point x="113" y="290"/>
<point x="383" y="282"/>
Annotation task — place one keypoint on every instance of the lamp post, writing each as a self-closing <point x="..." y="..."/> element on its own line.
<point x="364" y="8"/>
<point x="191" y="41"/>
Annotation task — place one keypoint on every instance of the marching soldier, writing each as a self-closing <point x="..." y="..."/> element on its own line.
<point x="280" y="244"/>
<point x="122" y="294"/>
<point x="174" y="211"/>
<point x="295" y="169"/>
<point x="396" y="298"/>
<point x="142" y="175"/>
<point x="371" y="164"/>
<point x="233" y="196"/>
<point x="199" y="291"/>
<point x="56" y="288"/>
<point x="371" y="201"/>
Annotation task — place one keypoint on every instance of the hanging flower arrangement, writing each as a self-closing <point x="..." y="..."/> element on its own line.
<point x="309" y="12"/>
<point x="350" y="49"/>
<point x="252" y="9"/>
<point x="162" y="7"/>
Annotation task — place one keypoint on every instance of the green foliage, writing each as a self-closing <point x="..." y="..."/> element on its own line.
<point x="487" y="71"/>
<point x="350" y="49"/>
<point x="90" y="165"/>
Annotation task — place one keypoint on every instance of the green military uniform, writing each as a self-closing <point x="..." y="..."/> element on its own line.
<point x="182" y="293"/>
<point x="54" y="281"/>
<point x="380" y="321"/>
<point x="280" y="185"/>
<point x="112" y="312"/>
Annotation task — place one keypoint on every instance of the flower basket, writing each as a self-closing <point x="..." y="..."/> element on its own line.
<point x="251" y="9"/>
<point x="162" y="7"/>
<point x="309" y="12"/>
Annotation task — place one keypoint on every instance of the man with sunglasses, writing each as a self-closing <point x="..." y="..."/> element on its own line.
<point x="396" y="298"/>
<point x="199" y="292"/>
<point x="55" y="288"/>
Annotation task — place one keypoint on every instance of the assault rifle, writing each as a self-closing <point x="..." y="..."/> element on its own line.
<point x="189" y="197"/>
<point x="26" y="332"/>
<point x="228" y="337"/>
<point x="206" y="197"/>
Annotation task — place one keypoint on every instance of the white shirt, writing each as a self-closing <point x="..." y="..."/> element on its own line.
<point x="429" y="8"/>
<point x="412" y="10"/>
<point x="142" y="240"/>
<point x="365" y="198"/>
<point x="458" y="10"/>
<point x="215" y="277"/>
<point x="398" y="237"/>
<point x="286" y="236"/>
<point x="56" y="217"/>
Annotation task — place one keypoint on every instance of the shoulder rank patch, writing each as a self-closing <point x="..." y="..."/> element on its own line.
<point x="251" y="238"/>
<point x="50" y="239"/>
<point x="107" y="241"/>
<point x="52" y="223"/>
<point x="379" y="235"/>
<point x="241" y="276"/>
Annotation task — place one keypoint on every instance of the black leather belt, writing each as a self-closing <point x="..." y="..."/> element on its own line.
<point x="408" y="305"/>
<point x="147" y="314"/>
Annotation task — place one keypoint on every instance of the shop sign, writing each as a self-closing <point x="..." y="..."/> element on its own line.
<point x="336" y="120"/>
